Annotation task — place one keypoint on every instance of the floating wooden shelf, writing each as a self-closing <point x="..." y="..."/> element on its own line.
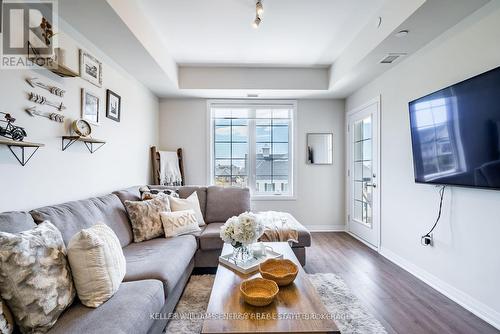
<point x="67" y="141"/>
<point x="63" y="71"/>
<point x="21" y="145"/>
<point x="60" y="70"/>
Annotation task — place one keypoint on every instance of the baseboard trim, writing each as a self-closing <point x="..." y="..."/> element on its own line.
<point x="362" y="241"/>
<point x="326" y="228"/>
<point x="466" y="301"/>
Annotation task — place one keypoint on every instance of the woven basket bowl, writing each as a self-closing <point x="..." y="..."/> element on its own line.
<point x="259" y="291"/>
<point x="283" y="272"/>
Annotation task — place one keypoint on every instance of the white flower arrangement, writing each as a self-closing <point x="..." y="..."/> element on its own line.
<point x="243" y="230"/>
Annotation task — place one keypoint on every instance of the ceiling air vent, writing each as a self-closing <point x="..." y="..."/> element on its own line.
<point x="391" y="58"/>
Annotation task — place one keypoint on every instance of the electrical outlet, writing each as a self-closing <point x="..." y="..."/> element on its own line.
<point x="427" y="240"/>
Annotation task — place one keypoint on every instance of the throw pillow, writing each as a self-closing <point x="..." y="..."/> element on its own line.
<point x="150" y="194"/>
<point x="145" y="217"/>
<point x="97" y="264"/>
<point x="190" y="203"/>
<point x="179" y="222"/>
<point x="6" y="319"/>
<point x="34" y="272"/>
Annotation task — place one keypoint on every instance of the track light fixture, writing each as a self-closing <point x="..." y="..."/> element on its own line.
<point x="259" y="9"/>
<point x="256" y="22"/>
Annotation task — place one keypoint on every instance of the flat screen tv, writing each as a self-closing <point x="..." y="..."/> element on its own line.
<point x="455" y="133"/>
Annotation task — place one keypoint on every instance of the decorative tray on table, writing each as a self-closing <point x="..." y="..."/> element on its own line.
<point x="250" y="265"/>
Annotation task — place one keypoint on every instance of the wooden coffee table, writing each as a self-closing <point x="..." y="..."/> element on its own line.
<point x="296" y="309"/>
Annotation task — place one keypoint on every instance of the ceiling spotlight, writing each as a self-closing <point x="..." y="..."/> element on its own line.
<point x="259" y="8"/>
<point x="256" y="22"/>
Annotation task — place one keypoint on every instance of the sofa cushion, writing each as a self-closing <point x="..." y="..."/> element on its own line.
<point x="210" y="237"/>
<point x="128" y="311"/>
<point x="16" y="221"/>
<point x="72" y="217"/>
<point x="162" y="259"/>
<point x="223" y="203"/>
<point x="129" y="194"/>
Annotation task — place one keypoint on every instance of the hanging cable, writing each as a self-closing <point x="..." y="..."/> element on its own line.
<point x="426" y="239"/>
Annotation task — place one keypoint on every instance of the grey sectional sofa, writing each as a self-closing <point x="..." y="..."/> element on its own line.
<point x="157" y="270"/>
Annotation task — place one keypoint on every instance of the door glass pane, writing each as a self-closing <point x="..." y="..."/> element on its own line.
<point x="358" y="191"/>
<point x="362" y="168"/>
<point x="367" y="149"/>
<point x="358" y="171"/>
<point x="358" y="211"/>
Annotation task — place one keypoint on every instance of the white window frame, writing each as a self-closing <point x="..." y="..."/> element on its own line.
<point x="292" y="195"/>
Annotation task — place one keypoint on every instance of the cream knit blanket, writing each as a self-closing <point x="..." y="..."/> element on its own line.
<point x="279" y="226"/>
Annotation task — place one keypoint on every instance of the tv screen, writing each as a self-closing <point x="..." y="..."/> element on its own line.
<point x="455" y="133"/>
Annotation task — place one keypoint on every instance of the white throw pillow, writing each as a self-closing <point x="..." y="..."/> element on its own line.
<point x="97" y="264"/>
<point x="190" y="203"/>
<point x="179" y="222"/>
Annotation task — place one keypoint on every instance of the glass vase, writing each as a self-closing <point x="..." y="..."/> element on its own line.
<point x="242" y="254"/>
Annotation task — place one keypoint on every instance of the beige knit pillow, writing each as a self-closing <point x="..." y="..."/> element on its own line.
<point x="179" y="223"/>
<point x="190" y="203"/>
<point x="97" y="264"/>
<point x="145" y="217"/>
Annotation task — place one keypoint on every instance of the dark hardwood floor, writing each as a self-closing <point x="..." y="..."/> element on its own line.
<point x="400" y="301"/>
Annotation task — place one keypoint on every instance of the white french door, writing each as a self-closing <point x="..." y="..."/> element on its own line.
<point x="363" y="188"/>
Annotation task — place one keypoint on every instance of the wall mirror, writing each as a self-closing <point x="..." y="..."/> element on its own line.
<point x="320" y="148"/>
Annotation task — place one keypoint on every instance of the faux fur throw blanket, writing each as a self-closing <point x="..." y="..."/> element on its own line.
<point x="279" y="226"/>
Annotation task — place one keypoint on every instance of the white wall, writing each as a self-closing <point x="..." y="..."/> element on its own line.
<point x="464" y="262"/>
<point x="320" y="189"/>
<point x="53" y="176"/>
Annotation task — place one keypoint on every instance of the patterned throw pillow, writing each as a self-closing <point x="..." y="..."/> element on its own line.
<point x="147" y="193"/>
<point x="145" y="217"/>
<point x="35" y="279"/>
<point x="6" y="319"/>
<point x="97" y="264"/>
<point x="179" y="223"/>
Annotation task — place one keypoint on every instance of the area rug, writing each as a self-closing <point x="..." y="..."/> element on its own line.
<point x="349" y="314"/>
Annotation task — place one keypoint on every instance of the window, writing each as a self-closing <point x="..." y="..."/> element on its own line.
<point x="439" y="145"/>
<point x="252" y="146"/>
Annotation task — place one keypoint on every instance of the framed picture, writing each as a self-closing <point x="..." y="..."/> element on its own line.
<point x="90" y="68"/>
<point x="90" y="107"/>
<point x="113" y="105"/>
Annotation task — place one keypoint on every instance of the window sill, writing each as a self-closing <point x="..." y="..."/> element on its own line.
<point x="273" y="198"/>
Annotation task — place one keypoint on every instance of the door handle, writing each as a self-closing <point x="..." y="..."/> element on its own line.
<point x="374" y="185"/>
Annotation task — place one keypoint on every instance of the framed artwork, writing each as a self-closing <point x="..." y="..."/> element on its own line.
<point x="90" y="68"/>
<point x="90" y="107"/>
<point x="113" y="105"/>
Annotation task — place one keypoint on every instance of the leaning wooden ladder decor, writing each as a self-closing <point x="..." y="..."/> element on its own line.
<point x="155" y="157"/>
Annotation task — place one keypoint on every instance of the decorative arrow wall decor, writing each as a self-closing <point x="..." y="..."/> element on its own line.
<point x="50" y="115"/>
<point x="34" y="97"/>
<point x="34" y="82"/>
